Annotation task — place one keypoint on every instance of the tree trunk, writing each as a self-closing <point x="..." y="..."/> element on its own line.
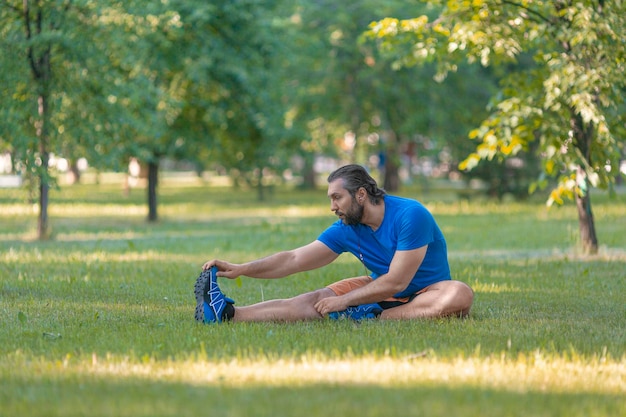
<point x="42" y="75"/>
<point x="588" y="237"/>
<point x="44" y="186"/>
<point x="392" y="177"/>
<point x="259" y="186"/>
<point x="308" y="172"/>
<point x="153" y="176"/>
<point x="583" y="138"/>
<point x="73" y="176"/>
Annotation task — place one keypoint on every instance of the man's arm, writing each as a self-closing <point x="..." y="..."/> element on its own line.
<point x="311" y="256"/>
<point x="403" y="267"/>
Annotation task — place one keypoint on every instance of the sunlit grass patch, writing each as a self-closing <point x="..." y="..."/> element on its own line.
<point x="533" y="372"/>
<point x="492" y="287"/>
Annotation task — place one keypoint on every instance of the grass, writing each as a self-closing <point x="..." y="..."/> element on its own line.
<point x="99" y="320"/>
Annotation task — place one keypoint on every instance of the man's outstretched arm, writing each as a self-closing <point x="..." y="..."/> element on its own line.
<point x="279" y="265"/>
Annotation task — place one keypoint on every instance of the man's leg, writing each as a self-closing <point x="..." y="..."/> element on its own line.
<point x="291" y="309"/>
<point x="442" y="299"/>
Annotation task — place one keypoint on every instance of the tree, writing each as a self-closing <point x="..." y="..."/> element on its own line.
<point x="72" y="83"/>
<point x="156" y="70"/>
<point x="342" y="91"/>
<point x="341" y="83"/>
<point x="38" y="36"/>
<point x="566" y="105"/>
<point x="231" y="86"/>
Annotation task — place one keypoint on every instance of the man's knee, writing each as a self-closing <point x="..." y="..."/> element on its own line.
<point x="463" y="296"/>
<point x="455" y="299"/>
<point x="311" y="298"/>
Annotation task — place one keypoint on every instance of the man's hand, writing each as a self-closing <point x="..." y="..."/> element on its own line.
<point x="330" y="304"/>
<point x="224" y="269"/>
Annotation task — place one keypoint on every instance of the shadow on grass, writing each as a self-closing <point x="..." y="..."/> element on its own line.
<point x="135" y="397"/>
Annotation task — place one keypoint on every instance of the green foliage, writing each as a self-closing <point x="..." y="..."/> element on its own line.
<point x="246" y="85"/>
<point x="241" y="85"/>
<point x="231" y="93"/>
<point x="176" y="79"/>
<point x="90" y="92"/>
<point x="567" y="100"/>
<point x="343" y="84"/>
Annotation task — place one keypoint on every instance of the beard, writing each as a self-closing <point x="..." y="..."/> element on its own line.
<point x="354" y="215"/>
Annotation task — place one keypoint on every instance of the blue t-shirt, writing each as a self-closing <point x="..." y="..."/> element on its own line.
<point x="406" y="225"/>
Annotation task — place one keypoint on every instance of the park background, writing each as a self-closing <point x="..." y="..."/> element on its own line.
<point x="140" y="139"/>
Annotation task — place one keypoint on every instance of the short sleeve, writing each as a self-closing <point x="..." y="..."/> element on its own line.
<point x="334" y="238"/>
<point x="415" y="228"/>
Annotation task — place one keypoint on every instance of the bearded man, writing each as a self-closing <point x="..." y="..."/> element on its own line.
<point x="396" y="239"/>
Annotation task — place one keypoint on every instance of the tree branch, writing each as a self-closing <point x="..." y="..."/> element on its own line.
<point x="528" y="9"/>
<point x="29" y="36"/>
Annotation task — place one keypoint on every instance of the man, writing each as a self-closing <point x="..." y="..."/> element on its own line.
<point x="395" y="238"/>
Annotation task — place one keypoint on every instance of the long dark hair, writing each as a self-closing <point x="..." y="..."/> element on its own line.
<point x="354" y="177"/>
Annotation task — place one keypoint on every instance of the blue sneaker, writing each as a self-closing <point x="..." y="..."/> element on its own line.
<point x="364" y="311"/>
<point x="210" y="301"/>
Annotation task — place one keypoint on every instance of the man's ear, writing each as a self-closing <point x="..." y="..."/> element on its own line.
<point x="361" y="195"/>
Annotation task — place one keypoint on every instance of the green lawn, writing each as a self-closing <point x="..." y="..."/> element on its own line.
<point x="98" y="321"/>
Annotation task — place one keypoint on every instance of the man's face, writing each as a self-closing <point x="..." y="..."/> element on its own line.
<point x="343" y="204"/>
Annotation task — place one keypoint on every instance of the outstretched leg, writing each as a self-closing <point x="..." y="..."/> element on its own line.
<point x="298" y="308"/>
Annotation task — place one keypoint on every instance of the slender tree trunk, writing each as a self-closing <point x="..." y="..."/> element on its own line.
<point x="41" y="68"/>
<point x="74" y="174"/>
<point x="308" y="172"/>
<point x="583" y="138"/>
<point x="42" y="221"/>
<point x="391" y="181"/>
<point x="392" y="177"/>
<point x="259" y="186"/>
<point x="153" y="177"/>
<point x="44" y="155"/>
<point x="356" y="114"/>
<point x="586" y="223"/>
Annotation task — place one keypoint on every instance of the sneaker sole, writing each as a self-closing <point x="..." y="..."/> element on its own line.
<point x="198" y="290"/>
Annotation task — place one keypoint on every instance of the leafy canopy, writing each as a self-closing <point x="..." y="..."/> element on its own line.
<point x="567" y="97"/>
